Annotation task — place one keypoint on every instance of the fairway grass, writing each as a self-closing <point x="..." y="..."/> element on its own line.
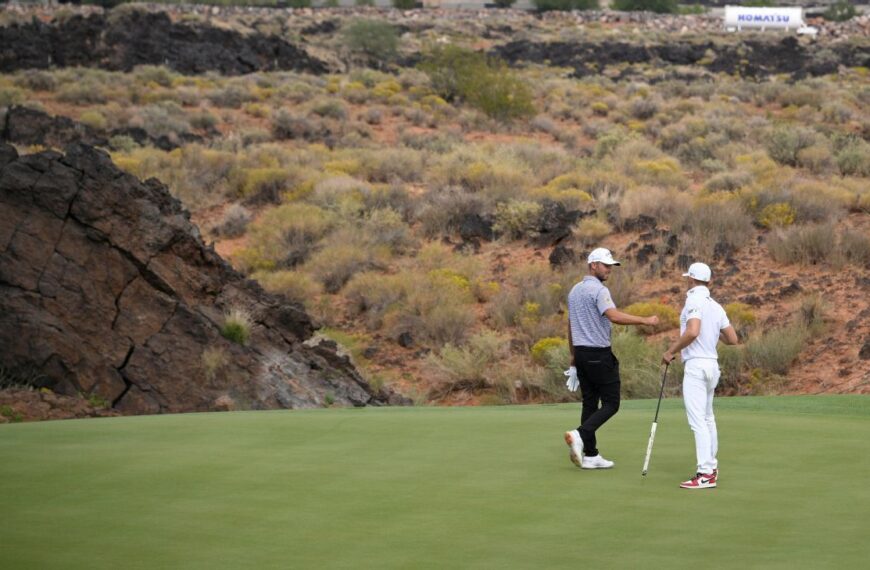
<point x="486" y="487"/>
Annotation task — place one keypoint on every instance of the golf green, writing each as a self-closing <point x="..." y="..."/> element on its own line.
<point x="486" y="487"/>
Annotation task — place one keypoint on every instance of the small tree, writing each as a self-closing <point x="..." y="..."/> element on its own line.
<point x="658" y="6"/>
<point x="374" y="40"/>
<point x="840" y="11"/>
<point x="565" y="5"/>
<point x="461" y="74"/>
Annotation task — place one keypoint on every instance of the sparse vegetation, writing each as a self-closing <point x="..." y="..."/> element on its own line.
<point x="354" y="192"/>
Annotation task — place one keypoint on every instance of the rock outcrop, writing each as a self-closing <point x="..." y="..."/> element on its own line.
<point x="107" y="289"/>
<point x="121" y="41"/>
<point x="25" y="126"/>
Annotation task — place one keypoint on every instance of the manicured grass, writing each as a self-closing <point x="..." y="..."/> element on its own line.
<point x="437" y="488"/>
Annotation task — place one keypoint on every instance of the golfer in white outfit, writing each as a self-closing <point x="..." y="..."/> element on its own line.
<point x="703" y="323"/>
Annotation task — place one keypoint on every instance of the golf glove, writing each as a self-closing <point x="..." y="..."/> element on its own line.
<point x="573" y="382"/>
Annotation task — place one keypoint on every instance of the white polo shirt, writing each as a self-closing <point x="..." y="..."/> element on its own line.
<point x="699" y="305"/>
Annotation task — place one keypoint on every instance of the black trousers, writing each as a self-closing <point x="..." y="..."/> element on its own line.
<point x="598" y="371"/>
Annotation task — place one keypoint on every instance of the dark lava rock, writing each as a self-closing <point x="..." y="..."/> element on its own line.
<point x="555" y="223"/>
<point x="122" y="41"/>
<point x="475" y="226"/>
<point x="107" y="289"/>
<point x="27" y="126"/>
<point x="640" y="223"/>
<point x="562" y="255"/>
<point x="864" y="353"/>
<point x="405" y="340"/>
<point x="790" y="289"/>
<point x="644" y="254"/>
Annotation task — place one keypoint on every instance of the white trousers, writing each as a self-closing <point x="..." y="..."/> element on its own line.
<point x="700" y="377"/>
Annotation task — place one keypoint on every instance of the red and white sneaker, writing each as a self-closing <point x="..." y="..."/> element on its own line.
<point x="575" y="444"/>
<point x="700" y="481"/>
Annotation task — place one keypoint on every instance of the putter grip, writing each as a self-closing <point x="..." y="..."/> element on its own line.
<point x="649" y="446"/>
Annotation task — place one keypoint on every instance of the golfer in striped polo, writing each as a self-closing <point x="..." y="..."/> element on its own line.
<point x="703" y="323"/>
<point x="594" y="368"/>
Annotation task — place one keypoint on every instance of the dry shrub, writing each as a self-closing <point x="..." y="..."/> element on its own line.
<point x="295" y="285"/>
<point x="374" y="294"/>
<point x="473" y="366"/>
<point x="389" y="165"/>
<point x="234" y="222"/>
<point x="592" y="230"/>
<point x="341" y="259"/>
<point x="284" y="236"/>
<point x="664" y="205"/>
<point x="443" y="210"/>
<point x="713" y="220"/>
<point x="807" y="244"/>
<point x="855" y="247"/>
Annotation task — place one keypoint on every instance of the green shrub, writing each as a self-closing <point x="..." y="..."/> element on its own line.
<point x="93" y="119"/>
<point x="740" y="315"/>
<point x="669" y="317"/>
<point x="237" y="326"/>
<point x="517" y="219"/>
<point x="777" y="215"/>
<point x="564" y="5"/>
<point x="658" y="6"/>
<point x="840" y="11"/>
<point x="592" y="230"/>
<point x="376" y="40"/>
<point x="404" y="4"/>
<point x="331" y="108"/>
<point x="540" y="351"/>
<point x="784" y="143"/>
<point x="458" y="73"/>
<point x="852" y="156"/>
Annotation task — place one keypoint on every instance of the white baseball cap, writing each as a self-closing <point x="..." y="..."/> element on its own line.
<point x="699" y="272"/>
<point x="602" y="255"/>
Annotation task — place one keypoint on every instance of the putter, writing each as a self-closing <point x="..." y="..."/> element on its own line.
<point x="652" y="433"/>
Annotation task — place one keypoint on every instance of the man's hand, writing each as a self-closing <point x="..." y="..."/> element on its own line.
<point x="573" y="382"/>
<point x="651" y="321"/>
<point x="667" y="357"/>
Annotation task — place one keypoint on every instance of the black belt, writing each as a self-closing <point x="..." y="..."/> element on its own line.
<point x="592" y="348"/>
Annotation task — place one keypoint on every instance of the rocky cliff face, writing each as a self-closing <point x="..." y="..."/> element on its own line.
<point x="107" y="290"/>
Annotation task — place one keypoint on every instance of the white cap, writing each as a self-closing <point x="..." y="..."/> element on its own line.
<point x="602" y="255"/>
<point x="699" y="272"/>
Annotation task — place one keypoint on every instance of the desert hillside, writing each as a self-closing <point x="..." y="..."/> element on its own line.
<point x="422" y="188"/>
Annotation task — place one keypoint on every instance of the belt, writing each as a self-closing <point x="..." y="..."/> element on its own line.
<point x="592" y="348"/>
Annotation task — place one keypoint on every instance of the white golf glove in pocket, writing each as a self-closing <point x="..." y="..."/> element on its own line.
<point x="573" y="382"/>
